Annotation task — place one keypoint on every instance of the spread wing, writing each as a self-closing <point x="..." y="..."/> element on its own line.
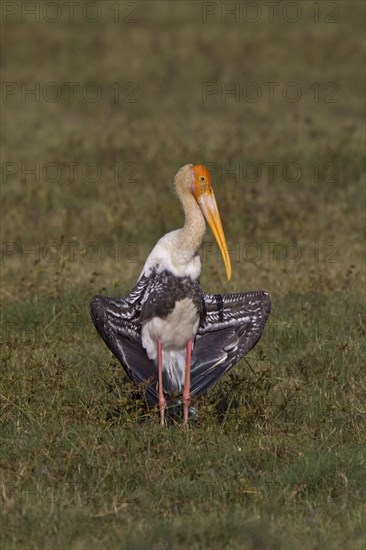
<point x="230" y="328"/>
<point x="117" y="322"/>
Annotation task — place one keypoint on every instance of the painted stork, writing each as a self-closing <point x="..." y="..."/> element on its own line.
<point x="167" y="332"/>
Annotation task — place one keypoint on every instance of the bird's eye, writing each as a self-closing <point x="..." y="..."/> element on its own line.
<point x="202" y="178"/>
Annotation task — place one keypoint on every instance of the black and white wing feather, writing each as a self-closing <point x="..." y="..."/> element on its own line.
<point x="117" y="320"/>
<point x="230" y="326"/>
<point x="229" y="329"/>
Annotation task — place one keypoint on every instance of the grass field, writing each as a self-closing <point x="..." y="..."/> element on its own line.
<point x="276" y="458"/>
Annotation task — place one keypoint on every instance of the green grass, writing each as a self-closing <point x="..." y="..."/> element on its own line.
<point x="276" y="458"/>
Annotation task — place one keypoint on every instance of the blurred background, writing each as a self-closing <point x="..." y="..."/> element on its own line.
<point x="102" y="103"/>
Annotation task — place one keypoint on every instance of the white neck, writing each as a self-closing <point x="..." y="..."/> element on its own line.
<point x="177" y="250"/>
<point x="190" y="236"/>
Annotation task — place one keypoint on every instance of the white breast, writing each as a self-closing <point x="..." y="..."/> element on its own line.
<point x="166" y="256"/>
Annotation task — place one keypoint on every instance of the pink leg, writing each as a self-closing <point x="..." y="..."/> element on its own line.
<point x="162" y="400"/>
<point x="187" y="382"/>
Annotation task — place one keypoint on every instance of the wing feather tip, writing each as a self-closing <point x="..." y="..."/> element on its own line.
<point x="267" y="302"/>
<point x="97" y="310"/>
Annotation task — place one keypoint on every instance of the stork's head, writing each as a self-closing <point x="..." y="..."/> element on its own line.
<point x="196" y="180"/>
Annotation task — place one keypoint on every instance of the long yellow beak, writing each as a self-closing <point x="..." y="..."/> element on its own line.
<point x="210" y="210"/>
<point x="205" y="197"/>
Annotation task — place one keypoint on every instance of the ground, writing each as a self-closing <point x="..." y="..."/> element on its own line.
<point x="123" y="96"/>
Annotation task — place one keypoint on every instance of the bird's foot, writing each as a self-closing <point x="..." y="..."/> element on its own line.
<point x="176" y="412"/>
<point x="162" y="405"/>
<point x="186" y="403"/>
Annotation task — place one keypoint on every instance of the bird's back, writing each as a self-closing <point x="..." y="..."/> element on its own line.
<point x="171" y="312"/>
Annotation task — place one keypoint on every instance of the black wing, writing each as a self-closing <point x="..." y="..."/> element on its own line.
<point x="230" y="328"/>
<point x="117" y="322"/>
